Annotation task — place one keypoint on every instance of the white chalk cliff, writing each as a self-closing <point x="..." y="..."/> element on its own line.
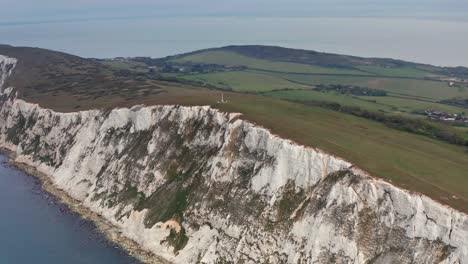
<point x="195" y="185"/>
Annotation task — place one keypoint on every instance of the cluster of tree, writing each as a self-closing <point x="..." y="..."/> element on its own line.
<point x="456" y="102"/>
<point x="165" y="66"/>
<point x="195" y="68"/>
<point x="459" y="71"/>
<point x="350" y="89"/>
<point x="418" y="126"/>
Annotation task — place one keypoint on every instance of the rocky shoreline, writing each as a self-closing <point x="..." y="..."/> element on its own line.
<point x="111" y="232"/>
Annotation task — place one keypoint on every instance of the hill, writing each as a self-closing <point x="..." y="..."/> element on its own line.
<point x="69" y="83"/>
<point x="280" y="54"/>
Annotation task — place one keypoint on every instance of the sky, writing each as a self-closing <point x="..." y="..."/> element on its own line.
<point x="430" y="31"/>
<point x="34" y="11"/>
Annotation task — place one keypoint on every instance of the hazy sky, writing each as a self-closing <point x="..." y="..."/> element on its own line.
<point x="49" y="10"/>
<point x="432" y="31"/>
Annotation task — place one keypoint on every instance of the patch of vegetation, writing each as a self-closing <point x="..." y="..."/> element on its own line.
<point x="245" y="173"/>
<point x="319" y="199"/>
<point x="177" y="240"/>
<point x="172" y="172"/>
<point x="290" y="200"/>
<point x="33" y="147"/>
<point x="408" y="87"/>
<point x="111" y="199"/>
<point x="457" y="102"/>
<point x="400" y="71"/>
<point x="350" y="90"/>
<point x="223" y="261"/>
<point x="138" y="143"/>
<point x="243" y="81"/>
<point x="13" y="133"/>
<point x="182" y="67"/>
<point x="130" y="194"/>
<point x="313" y="95"/>
<point x="417" y="126"/>
<point x="167" y="202"/>
<point x="410" y="105"/>
<point x="46" y="158"/>
<point x="195" y="82"/>
<point x="126" y="65"/>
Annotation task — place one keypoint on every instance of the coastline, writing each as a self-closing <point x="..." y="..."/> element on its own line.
<point x="86" y="151"/>
<point x="110" y="232"/>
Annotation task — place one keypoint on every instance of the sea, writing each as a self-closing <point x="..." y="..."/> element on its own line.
<point x="435" y="41"/>
<point x="35" y="228"/>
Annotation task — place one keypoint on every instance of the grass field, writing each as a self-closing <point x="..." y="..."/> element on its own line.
<point x="386" y="104"/>
<point x="409" y="105"/>
<point x="311" y="95"/>
<point x="232" y="58"/>
<point x="410" y="84"/>
<point x="404" y="71"/>
<point x="411" y="87"/>
<point x="464" y="131"/>
<point x="245" y="81"/>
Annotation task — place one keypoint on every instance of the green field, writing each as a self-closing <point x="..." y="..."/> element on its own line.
<point x="410" y="105"/>
<point x="464" y="131"/>
<point x="242" y="81"/>
<point x="232" y="58"/>
<point x="398" y="71"/>
<point x="311" y="95"/>
<point x="433" y="90"/>
<point x="386" y="104"/>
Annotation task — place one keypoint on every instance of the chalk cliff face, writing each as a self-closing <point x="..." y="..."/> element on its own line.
<point x="195" y="185"/>
<point x="6" y="68"/>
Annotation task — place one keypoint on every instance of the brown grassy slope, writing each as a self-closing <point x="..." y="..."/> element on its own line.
<point x="49" y="75"/>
